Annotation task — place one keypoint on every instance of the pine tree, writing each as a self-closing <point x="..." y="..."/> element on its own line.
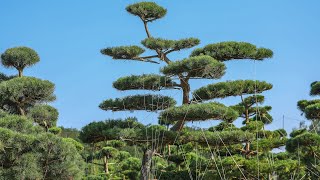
<point x="20" y="94"/>
<point x="203" y="63"/>
<point x="19" y="58"/>
<point x="305" y="145"/>
<point x="30" y="148"/>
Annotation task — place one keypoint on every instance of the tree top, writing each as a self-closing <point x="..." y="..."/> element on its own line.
<point x="19" y="57"/>
<point x="147" y="11"/>
<point x="232" y="50"/>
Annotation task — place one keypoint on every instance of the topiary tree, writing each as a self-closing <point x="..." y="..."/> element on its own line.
<point x="304" y="144"/>
<point x="19" y="94"/>
<point x="108" y="152"/>
<point x="203" y="63"/>
<point x="19" y="58"/>
<point x="311" y="108"/>
<point x="248" y="108"/>
<point x="28" y="152"/>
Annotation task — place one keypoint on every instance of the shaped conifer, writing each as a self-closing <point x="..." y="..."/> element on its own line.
<point x="203" y="63"/>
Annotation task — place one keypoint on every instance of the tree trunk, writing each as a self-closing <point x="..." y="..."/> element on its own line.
<point x="146" y="164"/>
<point x="247" y="116"/>
<point x="21" y="111"/>
<point x="186" y="91"/>
<point x="106" y="168"/>
<point x="247" y="143"/>
<point x="20" y="72"/>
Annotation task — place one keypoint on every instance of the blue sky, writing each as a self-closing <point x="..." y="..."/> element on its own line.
<point x="68" y="36"/>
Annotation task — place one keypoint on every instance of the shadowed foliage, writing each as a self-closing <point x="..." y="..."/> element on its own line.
<point x="138" y="102"/>
<point x="144" y="82"/>
<point x="315" y="88"/>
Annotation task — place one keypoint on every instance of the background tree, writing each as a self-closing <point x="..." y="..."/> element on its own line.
<point x="305" y="145"/>
<point x="28" y="152"/>
<point x="108" y="152"/>
<point x="17" y="95"/>
<point x="19" y="58"/>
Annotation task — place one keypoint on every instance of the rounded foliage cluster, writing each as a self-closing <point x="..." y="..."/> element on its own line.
<point x="19" y="57"/>
<point x="196" y="67"/>
<point x="25" y="92"/>
<point x="30" y="153"/>
<point x="144" y="82"/>
<point x="164" y="44"/>
<point x="123" y="52"/>
<point x="231" y="88"/>
<point x="138" y="102"/>
<point x="315" y="88"/>
<point x="147" y="11"/>
<point x="225" y="51"/>
<point x="196" y="112"/>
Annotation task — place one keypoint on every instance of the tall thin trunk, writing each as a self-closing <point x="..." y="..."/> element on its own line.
<point x="106" y="168"/>
<point x="146" y="164"/>
<point x="247" y="143"/>
<point x="146" y="28"/>
<point x="247" y="116"/>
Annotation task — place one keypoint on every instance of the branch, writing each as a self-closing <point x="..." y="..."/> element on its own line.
<point x="147" y="57"/>
<point x="170" y="51"/>
<point x="143" y="59"/>
<point x="96" y="163"/>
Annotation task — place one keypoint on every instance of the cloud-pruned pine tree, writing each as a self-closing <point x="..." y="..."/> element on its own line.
<point x="203" y="63"/>
<point x="28" y="152"/>
<point x="30" y="148"/>
<point x="306" y="144"/>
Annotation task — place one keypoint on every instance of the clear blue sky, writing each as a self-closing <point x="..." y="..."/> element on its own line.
<point x="68" y="36"/>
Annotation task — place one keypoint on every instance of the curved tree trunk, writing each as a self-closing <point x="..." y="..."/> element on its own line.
<point x="186" y="100"/>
